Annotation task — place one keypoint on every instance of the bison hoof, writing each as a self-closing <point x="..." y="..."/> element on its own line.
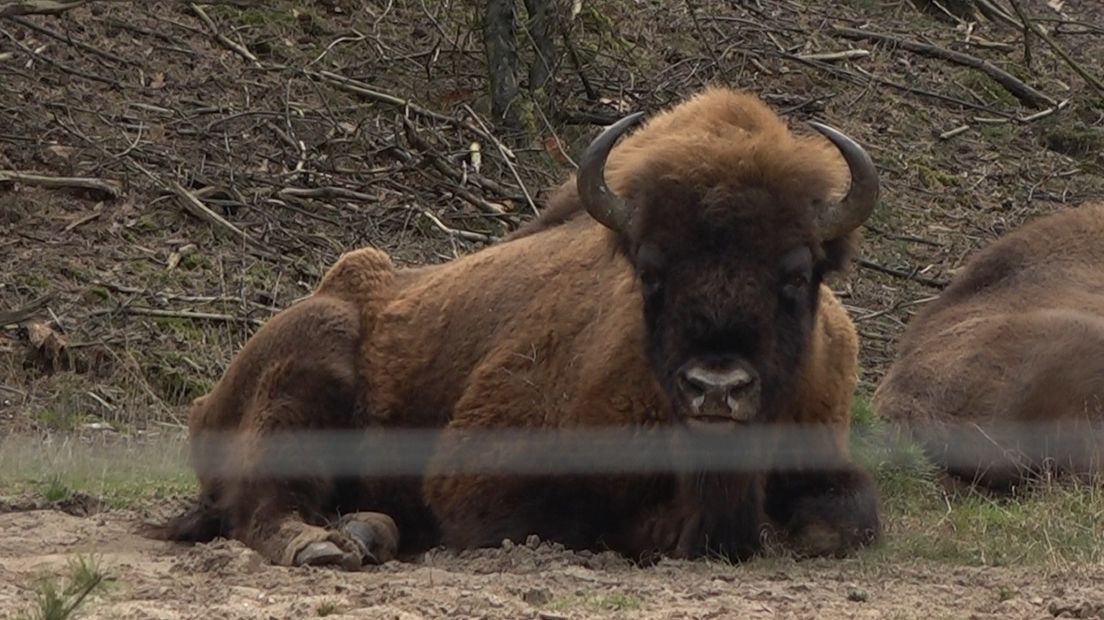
<point x="326" y="553"/>
<point x="374" y="533"/>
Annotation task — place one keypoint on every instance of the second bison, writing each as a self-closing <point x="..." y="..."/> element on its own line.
<point x="1003" y="374"/>
<point x="684" y="299"/>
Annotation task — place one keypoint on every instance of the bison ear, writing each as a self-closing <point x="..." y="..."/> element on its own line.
<point x="838" y="253"/>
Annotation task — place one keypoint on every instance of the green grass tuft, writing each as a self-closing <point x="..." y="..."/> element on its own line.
<point x="1052" y="523"/>
<point x="59" y="599"/>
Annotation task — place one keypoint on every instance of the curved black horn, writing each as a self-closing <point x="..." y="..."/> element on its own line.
<point x="838" y="219"/>
<point x="600" y="202"/>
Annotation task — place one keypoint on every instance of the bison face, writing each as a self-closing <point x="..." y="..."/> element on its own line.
<point x="729" y="267"/>
<point x="728" y="308"/>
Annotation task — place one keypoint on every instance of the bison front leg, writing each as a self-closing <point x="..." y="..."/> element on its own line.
<point x="264" y="443"/>
<point x="827" y="505"/>
<point x="708" y="514"/>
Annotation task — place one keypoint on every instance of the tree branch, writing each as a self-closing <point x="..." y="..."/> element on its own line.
<point x="1011" y="83"/>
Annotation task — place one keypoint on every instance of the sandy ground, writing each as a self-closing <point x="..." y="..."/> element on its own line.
<point x="224" y="579"/>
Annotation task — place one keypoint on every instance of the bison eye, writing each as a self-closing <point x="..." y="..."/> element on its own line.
<point x="797" y="267"/>
<point x="649" y="267"/>
<point x="797" y="280"/>
<point x="793" y="287"/>
<point x="650" y="281"/>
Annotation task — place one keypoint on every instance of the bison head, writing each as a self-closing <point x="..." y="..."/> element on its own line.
<point x="730" y="239"/>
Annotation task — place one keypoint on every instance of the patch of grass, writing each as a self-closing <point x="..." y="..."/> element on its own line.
<point x="326" y="608"/>
<point x="120" y="476"/>
<point x="196" y="261"/>
<point x="988" y="90"/>
<point x="932" y="177"/>
<point x="66" y="413"/>
<point x="59" y="599"/>
<point x="54" y="489"/>
<point x="96" y="294"/>
<point x="862" y="414"/>
<point x="1077" y="140"/>
<point x="176" y="380"/>
<point x="1054" y="523"/>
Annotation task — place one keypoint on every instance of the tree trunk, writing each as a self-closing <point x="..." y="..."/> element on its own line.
<point x="541" y="16"/>
<point x="500" y="42"/>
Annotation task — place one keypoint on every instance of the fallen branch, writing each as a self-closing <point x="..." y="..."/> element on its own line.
<point x="950" y="133"/>
<point x="463" y="234"/>
<point x="842" y="55"/>
<point x="53" y="7"/>
<point x="360" y="88"/>
<point x="326" y="192"/>
<point x="221" y="38"/>
<point x="196" y="207"/>
<point x="898" y="273"/>
<point x="1058" y="49"/>
<point x="112" y="188"/>
<point x="10" y="317"/>
<point x="507" y="156"/>
<point x="861" y="76"/>
<point x="37" y="7"/>
<point x="1009" y="82"/>
<point x="448" y="170"/>
<point x="197" y="316"/>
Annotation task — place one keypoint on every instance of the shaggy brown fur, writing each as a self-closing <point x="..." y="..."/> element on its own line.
<point x="553" y="329"/>
<point x="1006" y="368"/>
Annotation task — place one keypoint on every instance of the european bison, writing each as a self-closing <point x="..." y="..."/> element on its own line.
<point x="1004" y="373"/>
<point x="685" y="296"/>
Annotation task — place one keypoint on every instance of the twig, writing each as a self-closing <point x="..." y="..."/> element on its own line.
<point x="946" y="135"/>
<point x="427" y="151"/>
<point x="841" y="55"/>
<point x="360" y="88"/>
<point x="10" y="317"/>
<point x="1011" y="83"/>
<point x="860" y="75"/>
<point x="463" y="234"/>
<point x="1058" y="49"/>
<point x="326" y="193"/>
<point x="221" y="38"/>
<point x="195" y="299"/>
<point x="103" y="403"/>
<point x="52" y="7"/>
<point x="940" y="284"/>
<point x="1026" y="33"/>
<point x="37" y="7"/>
<point x="196" y="207"/>
<point x="994" y="12"/>
<point x="60" y="65"/>
<point x="895" y="307"/>
<point x="112" y="188"/>
<point x="506" y="156"/>
<point x="83" y="220"/>
<point x="30" y="25"/>
<point x="1044" y="113"/>
<point x="198" y="316"/>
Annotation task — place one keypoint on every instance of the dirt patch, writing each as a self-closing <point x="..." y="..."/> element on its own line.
<point x="224" y="579"/>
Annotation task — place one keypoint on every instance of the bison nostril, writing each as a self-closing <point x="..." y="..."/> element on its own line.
<point x="724" y="387"/>
<point x="706" y="380"/>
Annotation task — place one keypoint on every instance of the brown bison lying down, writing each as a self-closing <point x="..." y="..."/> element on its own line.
<point x="1004" y="373"/>
<point x="685" y="297"/>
